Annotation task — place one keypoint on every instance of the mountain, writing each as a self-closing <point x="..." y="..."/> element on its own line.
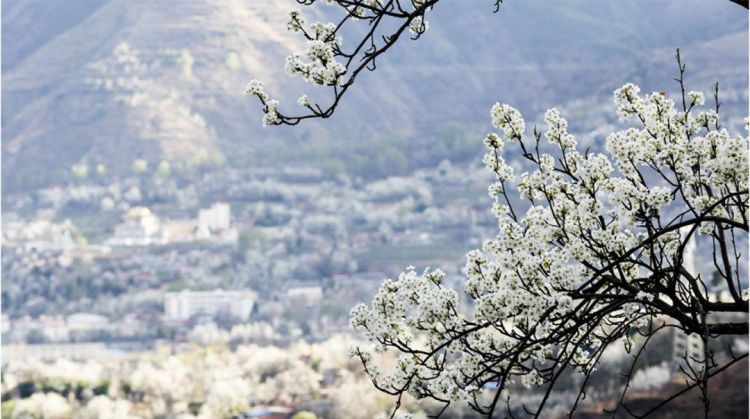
<point x="112" y="81"/>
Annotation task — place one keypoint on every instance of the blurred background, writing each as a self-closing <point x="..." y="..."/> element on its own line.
<point x="165" y="255"/>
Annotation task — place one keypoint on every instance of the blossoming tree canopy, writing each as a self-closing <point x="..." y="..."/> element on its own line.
<point x="597" y="256"/>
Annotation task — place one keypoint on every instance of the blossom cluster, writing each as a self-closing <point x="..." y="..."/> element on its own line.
<point x="317" y="64"/>
<point x="271" y="107"/>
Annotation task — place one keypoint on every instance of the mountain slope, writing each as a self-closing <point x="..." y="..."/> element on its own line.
<point x="113" y="81"/>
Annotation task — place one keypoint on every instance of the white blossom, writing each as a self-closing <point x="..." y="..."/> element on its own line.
<point x="255" y="87"/>
<point x="303" y="101"/>
<point x="418" y="26"/>
<point x="697" y="98"/>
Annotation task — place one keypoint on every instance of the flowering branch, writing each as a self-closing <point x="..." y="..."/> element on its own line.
<point x="599" y="254"/>
<point x="325" y="62"/>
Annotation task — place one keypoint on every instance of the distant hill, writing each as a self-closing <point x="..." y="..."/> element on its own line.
<point x="113" y="81"/>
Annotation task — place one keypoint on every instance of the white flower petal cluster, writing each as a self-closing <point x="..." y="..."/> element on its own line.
<point x="271" y="115"/>
<point x="296" y="21"/>
<point x="697" y="98"/>
<point x="271" y="107"/>
<point x="508" y="119"/>
<point x="303" y="101"/>
<point x="317" y="63"/>
<point x="418" y="26"/>
<point x="557" y="130"/>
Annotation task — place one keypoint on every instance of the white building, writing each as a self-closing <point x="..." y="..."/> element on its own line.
<point x="216" y="218"/>
<point x="179" y="231"/>
<point x="52" y="328"/>
<point x="140" y="227"/>
<point x="86" y="322"/>
<point x="183" y="305"/>
<point x="55" y="351"/>
<point x="40" y="234"/>
<point x="309" y="294"/>
<point x="215" y="223"/>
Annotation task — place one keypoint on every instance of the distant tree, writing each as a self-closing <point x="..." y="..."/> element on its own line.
<point x="101" y="169"/>
<point x="139" y="166"/>
<point x="304" y="415"/>
<point x="79" y="171"/>
<point x="164" y="168"/>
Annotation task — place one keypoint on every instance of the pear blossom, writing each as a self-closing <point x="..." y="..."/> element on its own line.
<point x="255" y="87"/>
<point x="418" y="26"/>
<point x="303" y="101"/>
